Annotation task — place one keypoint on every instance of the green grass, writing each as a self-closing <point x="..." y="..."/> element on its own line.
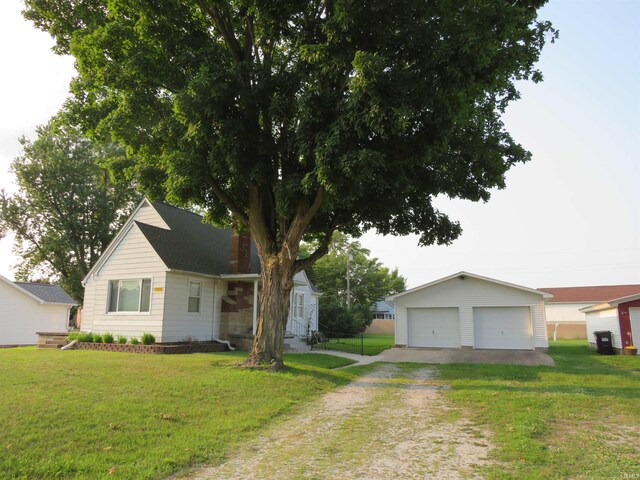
<point x="579" y="419"/>
<point x="84" y="414"/>
<point x="372" y="344"/>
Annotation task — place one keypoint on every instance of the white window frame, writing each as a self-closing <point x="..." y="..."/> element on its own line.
<point x="189" y="297"/>
<point x="298" y="308"/>
<point x="128" y="312"/>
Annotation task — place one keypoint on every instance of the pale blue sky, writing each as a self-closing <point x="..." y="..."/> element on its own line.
<point x="569" y="217"/>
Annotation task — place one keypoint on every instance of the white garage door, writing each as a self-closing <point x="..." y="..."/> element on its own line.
<point x="502" y="328"/>
<point x="433" y="327"/>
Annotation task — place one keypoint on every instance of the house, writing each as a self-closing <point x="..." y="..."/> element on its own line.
<point x="621" y="316"/>
<point x="383" y="319"/>
<point x="27" y="308"/>
<point x="565" y="320"/>
<point x="169" y="274"/>
<point x="465" y="310"/>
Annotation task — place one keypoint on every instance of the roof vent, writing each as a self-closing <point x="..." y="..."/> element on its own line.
<point x="462" y="277"/>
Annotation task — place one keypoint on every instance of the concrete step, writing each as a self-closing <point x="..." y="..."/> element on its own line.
<point x="296" y="344"/>
<point x="43" y="346"/>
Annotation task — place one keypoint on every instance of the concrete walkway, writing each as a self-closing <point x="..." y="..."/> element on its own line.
<point x="436" y="355"/>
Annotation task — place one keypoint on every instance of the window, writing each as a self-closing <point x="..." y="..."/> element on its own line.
<point x="298" y="305"/>
<point x="195" y="289"/>
<point x="129" y="295"/>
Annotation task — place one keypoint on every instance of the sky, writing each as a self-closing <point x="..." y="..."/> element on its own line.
<point x="569" y="217"/>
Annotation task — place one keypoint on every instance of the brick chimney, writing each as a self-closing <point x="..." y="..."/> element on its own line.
<point x="240" y="252"/>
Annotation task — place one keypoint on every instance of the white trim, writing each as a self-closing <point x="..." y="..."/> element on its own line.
<point x="464" y="274"/>
<point x="199" y="297"/>
<point x="115" y="242"/>
<point x="129" y="312"/>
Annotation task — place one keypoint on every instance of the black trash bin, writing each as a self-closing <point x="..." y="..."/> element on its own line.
<point x="604" y="342"/>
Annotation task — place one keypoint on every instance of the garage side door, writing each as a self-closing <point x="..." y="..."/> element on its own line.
<point x="502" y="328"/>
<point x="433" y="327"/>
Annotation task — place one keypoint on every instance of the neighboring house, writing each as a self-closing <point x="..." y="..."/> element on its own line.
<point x="169" y="274"/>
<point x="565" y="320"/>
<point x="620" y="316"/>
<point x="27" y="308"/>
<point x="465" y="310"/>
<point x="383" y="316"/>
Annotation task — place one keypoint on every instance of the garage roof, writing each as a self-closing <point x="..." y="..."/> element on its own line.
<point x="42" y="292"/>
<point x="611" y="303"/>
<point x="463" y="275"/>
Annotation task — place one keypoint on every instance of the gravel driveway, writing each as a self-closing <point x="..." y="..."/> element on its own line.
<point x="382" y="426"/>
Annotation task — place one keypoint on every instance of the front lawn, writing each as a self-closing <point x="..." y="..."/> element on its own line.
<point x="372" y="344"/>
<point x="579" y="419"/>
<point x="84" y="414"/>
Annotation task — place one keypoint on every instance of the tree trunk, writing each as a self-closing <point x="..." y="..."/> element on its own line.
<point x="268" y="345"/>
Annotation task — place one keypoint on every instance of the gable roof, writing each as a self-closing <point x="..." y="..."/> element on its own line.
<point x="42" y="292"/>
<point x="382" y="306"/>
<point x="48" y="293"/>
<point x="596" y="294"/>
<point x="463" y="274"/>
<point x="611" y="303"/>
<point x="190" y="245"/>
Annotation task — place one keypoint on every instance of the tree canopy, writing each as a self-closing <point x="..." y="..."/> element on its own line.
<point x="67" y="208"/>
<point x="343" y="311"/>
<point x="295" y="119"/>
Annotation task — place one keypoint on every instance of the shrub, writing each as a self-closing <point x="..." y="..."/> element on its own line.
<point x="107" y="337"/>
<point x="337" y="319"/>
<point x="96" y="338"/>
<point x="148" y="339"/>
<point x="85" y="337"/>
<point x="134" y="341"/>
<point x="73" y="336"/>
<point x="122" y="340"/>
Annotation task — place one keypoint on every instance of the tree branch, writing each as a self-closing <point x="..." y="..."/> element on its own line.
<point x="227" y="200"/>
<point x="322" y="250"/>
<point x="222" y="23"/>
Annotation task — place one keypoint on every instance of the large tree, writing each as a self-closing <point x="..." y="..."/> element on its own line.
<point x="296" y="118"/>
<point x="67" y="208"/>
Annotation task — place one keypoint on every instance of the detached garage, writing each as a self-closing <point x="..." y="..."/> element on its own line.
<point x="27" y="308"/>
<point x="465" y="310"/>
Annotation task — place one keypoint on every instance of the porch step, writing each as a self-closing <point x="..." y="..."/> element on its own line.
<point x="295" y="344"/>
<point x="48" y="346"/>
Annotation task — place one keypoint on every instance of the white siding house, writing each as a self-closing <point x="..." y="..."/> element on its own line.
<point x="169" y="274"/>
<point x="466" y="310"/>
<point x="27" y="308"/>
<point x="620" y="316"/>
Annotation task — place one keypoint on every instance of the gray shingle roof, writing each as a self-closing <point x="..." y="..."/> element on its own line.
<point x="190" y="245"/>
<point x="47" y="293"/>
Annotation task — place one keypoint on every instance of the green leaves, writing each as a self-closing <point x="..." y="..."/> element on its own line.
<point x="68" y="206"/>
<point x="382" y="104"/>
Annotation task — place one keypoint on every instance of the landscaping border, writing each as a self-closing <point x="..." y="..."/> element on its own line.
<point x="158" y="348"/>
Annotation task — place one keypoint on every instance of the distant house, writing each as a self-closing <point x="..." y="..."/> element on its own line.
<point x="169" y="274"/>
<point x="620" y="316"/>
<point x="27" y="308"/>
<point x="383" y="319"/>
<point x="565" y="320"/>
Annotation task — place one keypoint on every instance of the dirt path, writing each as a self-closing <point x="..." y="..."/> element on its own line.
<point x="376" y="427"/>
